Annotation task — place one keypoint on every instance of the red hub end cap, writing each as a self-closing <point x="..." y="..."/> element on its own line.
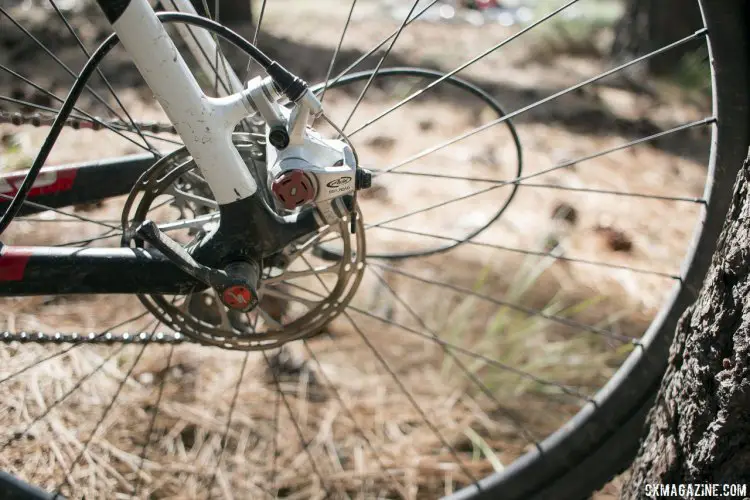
<point x="237" y="297"/>
<point x="293" y="188"/>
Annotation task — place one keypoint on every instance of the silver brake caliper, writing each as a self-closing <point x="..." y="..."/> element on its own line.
<point x="303" y="167"/>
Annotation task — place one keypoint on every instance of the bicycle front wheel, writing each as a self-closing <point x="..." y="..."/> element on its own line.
<point x="496" y="327"/>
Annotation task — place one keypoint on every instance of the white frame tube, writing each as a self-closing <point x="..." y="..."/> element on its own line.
<point x="205" y="124"/>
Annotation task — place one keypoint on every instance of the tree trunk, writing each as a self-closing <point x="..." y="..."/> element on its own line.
<point x="647" y="25"/>
<point x="699" y="428"/>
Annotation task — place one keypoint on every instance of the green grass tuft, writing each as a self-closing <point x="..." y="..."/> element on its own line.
<point x="533" y="343"/>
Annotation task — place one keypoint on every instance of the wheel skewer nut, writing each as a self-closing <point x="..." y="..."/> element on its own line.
<point x="363" y="179"/>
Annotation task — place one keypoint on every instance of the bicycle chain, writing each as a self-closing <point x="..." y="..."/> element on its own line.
<point x="95" y="123"/>
<point x="106" y="338"/>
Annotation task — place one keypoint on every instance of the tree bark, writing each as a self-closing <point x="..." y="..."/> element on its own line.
<point x="647" y="25"/>
<point x="699" y="428"/>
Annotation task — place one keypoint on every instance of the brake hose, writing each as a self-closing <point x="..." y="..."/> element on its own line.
<point x="287" y="83"/>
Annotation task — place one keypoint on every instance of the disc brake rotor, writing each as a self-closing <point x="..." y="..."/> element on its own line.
<point x="299" y="293"/>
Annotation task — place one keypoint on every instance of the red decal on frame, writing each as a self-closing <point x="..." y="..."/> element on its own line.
<point x="13" y="263"/>
<point x="47" y="182"/>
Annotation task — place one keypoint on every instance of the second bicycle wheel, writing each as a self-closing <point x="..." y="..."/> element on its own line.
<point x="533" y="232"/>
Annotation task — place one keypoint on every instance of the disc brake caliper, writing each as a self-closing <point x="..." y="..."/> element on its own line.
<point x="303" y="167"/>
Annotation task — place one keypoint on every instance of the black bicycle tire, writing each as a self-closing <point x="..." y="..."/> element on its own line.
<point x="601" y="440"/>
<point x="13" y="488"/>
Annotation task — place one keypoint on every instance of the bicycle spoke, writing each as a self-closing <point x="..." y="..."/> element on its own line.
<point x="190" y="31"/>
<point x="229" y="421"/>
<point x="386" y="366"/>
<point x="277" y="407"/>
<point x="74" y="116"/>
<point x="524" y="251"/>
<point x="375" y="48"/>
<point x="465" y="65"/>
<point x="571" y="391"/>
<point x="152" y="422"/>
<point x="290" y="275"/>
<point x="612" y="192"/>
<point x="53" y="96"/>
<point x="160" y="204"/>
<point x="219" y="51"/>
<point x="277" y="403"/>
<point x="559" y="166"/>
<point x="350" y="415"/>
<point x="196" y="222"/>
<point x="273" y="292"/>
<point x="377" y="67"/>
<point x="219" y="54"/>
<point x="29" y="218"/>
<point x="39" y="107"/>
<point x="493" y="362"/>
<point x="305" y="444"/>
<point x="526" y="310"/>
<point x="80" y="218"/>
<point x="61" y="399"/>
<point x="469" y="375"/>
<point x="105" y="412"/>
<point x="60" y="63"/>
<point x="200" y="200"/>
<point x="86" y="242"/>
<point x="250" y="60"/>
<point x="519" y="180"/>
<point x="508" y="116"/>
<point x="104" y="79"/>
<point x="119" y="128"/>
<point x="336" y="52"/>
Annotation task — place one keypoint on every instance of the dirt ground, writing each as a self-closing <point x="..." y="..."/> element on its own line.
<point x="363" y="434"/>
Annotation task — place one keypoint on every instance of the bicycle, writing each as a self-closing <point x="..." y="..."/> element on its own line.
<point x="265" y="180"/>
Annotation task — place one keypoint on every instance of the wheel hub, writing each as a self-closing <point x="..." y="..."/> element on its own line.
<point x="238" y="297"/>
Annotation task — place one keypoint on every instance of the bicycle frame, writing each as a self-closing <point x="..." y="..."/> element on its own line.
<point x="205" y="125"/>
